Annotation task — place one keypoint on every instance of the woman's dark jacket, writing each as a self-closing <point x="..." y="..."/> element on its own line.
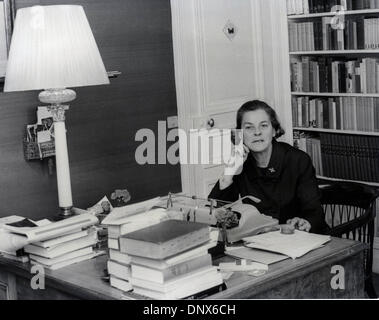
<point x="287" y="187"/>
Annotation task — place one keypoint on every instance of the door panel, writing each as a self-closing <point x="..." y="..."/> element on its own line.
<point x="218" y="67"/>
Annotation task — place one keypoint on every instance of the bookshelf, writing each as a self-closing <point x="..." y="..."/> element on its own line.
<point x="335" y="86"/>
<point x="354" y="132"/>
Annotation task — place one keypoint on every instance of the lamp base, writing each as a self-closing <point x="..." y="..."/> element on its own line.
<point x="66" y="212"/>
<point x="57" y="96"/>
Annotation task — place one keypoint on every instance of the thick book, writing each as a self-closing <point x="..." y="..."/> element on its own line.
<point x="181" y="287"/>
<point x="179" y="258"/>
<point x="67" y="262"/>
<point x="137" y="221"/>
<point x="64" y="248"/>
<point x="120" y="284"/>
<point x="165" y="239"/>
<point x="119" y="270"/>
<point x="113" y="244"/>
<point x="62" y="239"/>
<point x="65" y="257"/>
<point x="164" y="275"/>
<point x="117" y="256"/>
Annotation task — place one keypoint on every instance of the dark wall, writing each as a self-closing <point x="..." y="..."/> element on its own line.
<point x="134" y="37"/>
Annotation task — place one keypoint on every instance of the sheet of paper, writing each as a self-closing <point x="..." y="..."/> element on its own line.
<point x="256" y="255"/>
<point x="10" y="243"/>
<point x="293" y="245"/>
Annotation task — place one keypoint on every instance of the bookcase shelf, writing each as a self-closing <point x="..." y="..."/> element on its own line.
<point x="331" y="14"/>
<point x="318" y="65"/>
<point x="375" y="134"/>
<point x="335" y="179"/>
<point x="335" y="52"/>
<point x="332" y="94"/>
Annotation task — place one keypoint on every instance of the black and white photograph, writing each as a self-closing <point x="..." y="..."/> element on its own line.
<point x="189" y="155"/>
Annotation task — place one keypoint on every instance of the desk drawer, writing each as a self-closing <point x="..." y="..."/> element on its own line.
<point x="7" y="286"/>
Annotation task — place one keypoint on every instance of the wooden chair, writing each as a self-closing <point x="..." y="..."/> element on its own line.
<point x="350" y="212"/>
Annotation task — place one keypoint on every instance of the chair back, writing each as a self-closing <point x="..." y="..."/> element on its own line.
<point x="350" y="213"/>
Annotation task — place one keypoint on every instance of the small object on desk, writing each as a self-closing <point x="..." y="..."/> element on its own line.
<point x="257" y="273"/>
<point x="287" y="229"/>
<point x="242" y="265"/>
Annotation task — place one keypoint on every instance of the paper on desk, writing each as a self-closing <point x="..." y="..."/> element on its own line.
<point x="117" y="215"/>
<point x="256" y="255"/>
<point x="292" y="245"/>
<point x="10" y="243"/>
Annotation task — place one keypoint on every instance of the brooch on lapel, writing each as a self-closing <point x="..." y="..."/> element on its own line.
<point x="272" y="170"/>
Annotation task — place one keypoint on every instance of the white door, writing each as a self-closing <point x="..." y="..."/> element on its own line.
<point x="219" y="52"/>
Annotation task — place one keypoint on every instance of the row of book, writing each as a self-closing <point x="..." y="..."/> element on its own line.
<point x="312" y="146"/>
<point x="350" y="157"/>
<point x="297" y="7"/>
<point x="347" y="157"/>
<point x="333" y="34"/>
<point x="334" y="75"/>
<point x="341" y="113"/>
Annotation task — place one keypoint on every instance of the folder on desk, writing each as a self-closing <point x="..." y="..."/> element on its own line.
<point x="292" y="245"/>
<point x="256" y="255"/>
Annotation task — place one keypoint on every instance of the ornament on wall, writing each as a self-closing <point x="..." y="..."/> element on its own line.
<point x="230" y="30"/>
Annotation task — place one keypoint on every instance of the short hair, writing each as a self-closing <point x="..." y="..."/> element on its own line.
<point x="260" y="105"/>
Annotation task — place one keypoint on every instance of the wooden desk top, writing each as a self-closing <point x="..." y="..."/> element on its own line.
<point x="84" y="279"/>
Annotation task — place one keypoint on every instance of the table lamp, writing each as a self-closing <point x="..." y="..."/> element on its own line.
<point x="53" y="48"/>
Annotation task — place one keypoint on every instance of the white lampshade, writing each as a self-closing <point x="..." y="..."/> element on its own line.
<point x="53" y="47"/>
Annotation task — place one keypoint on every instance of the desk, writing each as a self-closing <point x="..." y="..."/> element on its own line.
<point x="306" y="277"/>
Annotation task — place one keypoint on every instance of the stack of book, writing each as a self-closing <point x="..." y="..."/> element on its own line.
<point x="118" y="264"/>
<point x="170" y="260"/>
<point x="56" y="244"/>
<point x="64" y="250"/>
<point x="122" y="221"/>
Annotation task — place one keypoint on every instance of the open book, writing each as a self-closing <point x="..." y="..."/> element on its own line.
<point x="49" y="230"/>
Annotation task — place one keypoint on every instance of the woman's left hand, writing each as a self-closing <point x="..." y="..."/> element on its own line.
<point x="300" y="224"/>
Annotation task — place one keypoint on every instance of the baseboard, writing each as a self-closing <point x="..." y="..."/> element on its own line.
<point x="375" y="267"/>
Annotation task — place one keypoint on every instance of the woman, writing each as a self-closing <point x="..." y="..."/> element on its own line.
<point x="282" y="177"/>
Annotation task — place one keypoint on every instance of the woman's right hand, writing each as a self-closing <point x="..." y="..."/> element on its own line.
<point x="234" y="165"/>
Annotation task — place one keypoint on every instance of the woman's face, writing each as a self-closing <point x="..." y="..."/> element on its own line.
<point x="257" y="131"/>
